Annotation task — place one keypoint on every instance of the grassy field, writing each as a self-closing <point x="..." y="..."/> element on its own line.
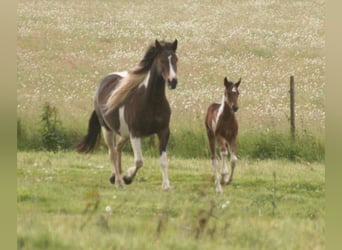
<point x="65" y="201"/>
<point x="65" y="48"/>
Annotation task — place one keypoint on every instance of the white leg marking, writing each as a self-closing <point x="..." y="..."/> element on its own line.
<point x="138" y="158"/>
<point x="233" y="160"/>
<point x="136" y="145"/>
<point x="172" y="74"/>
<point x="217" y="176"/>
<point x="224" y="167"/>
<point x="164" y="169"/>
<point x="123" y="125"/>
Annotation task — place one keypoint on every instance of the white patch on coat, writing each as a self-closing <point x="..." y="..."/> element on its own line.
<point x="123" y="124"/>
<point x="172" y="74"/>
<point x="220" y="110"/>
<point x="145" y="82"/>
<point x="123" y="74"/>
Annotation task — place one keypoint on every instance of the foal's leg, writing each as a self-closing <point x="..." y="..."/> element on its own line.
<point x="163" y="140"/>
<point x="110" y="141"/>
<point x="233" y="159"/>
<point x="211" y="138"/>
<point x="224" y="154"/>
<point x="138" y="160"/>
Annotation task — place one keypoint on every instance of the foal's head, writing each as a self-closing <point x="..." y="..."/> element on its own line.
<point x="231" y="93"/>
<point x="167" y="62"/>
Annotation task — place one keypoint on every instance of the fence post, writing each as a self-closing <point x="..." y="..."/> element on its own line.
<point x="292" y="107"/>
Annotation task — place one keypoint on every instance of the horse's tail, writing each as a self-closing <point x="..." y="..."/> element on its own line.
<point x="90" y="141"/>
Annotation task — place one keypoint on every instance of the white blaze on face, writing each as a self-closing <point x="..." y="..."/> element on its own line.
<point x="172" y="74"/>
<point x="234" y="90"/>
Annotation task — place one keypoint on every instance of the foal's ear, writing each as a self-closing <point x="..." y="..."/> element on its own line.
<point x="174" y="45"/>
<point x="227" y="83"/>
<point x="238" y="83"/>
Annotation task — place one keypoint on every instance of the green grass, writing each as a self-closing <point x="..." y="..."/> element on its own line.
<point x="63" y="201"/>
<point x="65" y="47"/>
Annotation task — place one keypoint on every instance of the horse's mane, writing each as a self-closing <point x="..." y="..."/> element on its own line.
<point x="134" y="78"/>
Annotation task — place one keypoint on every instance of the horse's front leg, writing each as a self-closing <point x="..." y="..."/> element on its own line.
<point x="163" y="137"/>
<point x="223" y="150"/>
<point x="138" y="160"/>
<point x="233" y="159"/>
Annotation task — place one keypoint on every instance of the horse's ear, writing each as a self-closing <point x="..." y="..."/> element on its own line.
<point x="226" y="82"/>
<point x="238" y="83"/>
<point x="158" y="46"/>
<point x="174" y="45"/>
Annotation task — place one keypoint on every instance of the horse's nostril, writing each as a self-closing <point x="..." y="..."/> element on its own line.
<point x="173" y="83"/>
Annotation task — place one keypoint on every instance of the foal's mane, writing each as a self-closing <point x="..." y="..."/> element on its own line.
<point x="135" y="77"/>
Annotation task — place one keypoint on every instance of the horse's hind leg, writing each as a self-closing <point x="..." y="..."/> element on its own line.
<point x="110" y="141"/>
<point x="138" y="160"/>
<point x="211" y="139"/>
<point x="118" y="149"/>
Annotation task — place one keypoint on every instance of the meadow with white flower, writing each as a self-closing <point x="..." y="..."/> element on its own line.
<point x="65" y="201"/>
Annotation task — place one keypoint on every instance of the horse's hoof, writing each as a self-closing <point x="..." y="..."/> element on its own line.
<point x="166" y="187"/>
<point x="219" y="190"/>
<point x="127" y="180"/>
<point x="112" y="179"/>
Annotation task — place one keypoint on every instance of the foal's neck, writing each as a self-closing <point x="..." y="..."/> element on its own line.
<point x="227" y="110"/>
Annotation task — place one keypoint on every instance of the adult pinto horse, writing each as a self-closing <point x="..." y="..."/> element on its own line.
<point x="132" y="105"/>
<point x="222" y="125"/>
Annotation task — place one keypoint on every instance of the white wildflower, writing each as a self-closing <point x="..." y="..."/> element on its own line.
<point x="108" y="209"/>
<point x="225" y="204"/>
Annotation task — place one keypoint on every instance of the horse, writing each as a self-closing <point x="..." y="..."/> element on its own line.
<point x="222" y="125"/>
<point x="131" y="105"/>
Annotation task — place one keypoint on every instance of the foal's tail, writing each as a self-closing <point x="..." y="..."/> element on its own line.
<point x="90" y="141"/>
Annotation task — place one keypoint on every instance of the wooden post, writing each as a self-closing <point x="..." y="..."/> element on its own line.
<point x="292" y="107"/>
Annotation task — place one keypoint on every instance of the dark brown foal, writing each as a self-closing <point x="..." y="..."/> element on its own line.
<point x="222" y="126"/>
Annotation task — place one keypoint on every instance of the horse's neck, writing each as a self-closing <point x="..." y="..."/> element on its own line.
<point x="155" y="87"/>
<point x="227" y="111"/>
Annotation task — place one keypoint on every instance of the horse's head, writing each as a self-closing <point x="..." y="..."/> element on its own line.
<point x="232" y="93"/>
<point x="167" y="62"/>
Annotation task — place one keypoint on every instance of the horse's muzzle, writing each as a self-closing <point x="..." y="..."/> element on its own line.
<point x="172" y="84"/>
<point x="235" y="108"/>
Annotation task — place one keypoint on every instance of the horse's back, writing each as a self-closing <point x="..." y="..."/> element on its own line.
<point x="104" y="90"/>
<point x="106" y="87"/>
